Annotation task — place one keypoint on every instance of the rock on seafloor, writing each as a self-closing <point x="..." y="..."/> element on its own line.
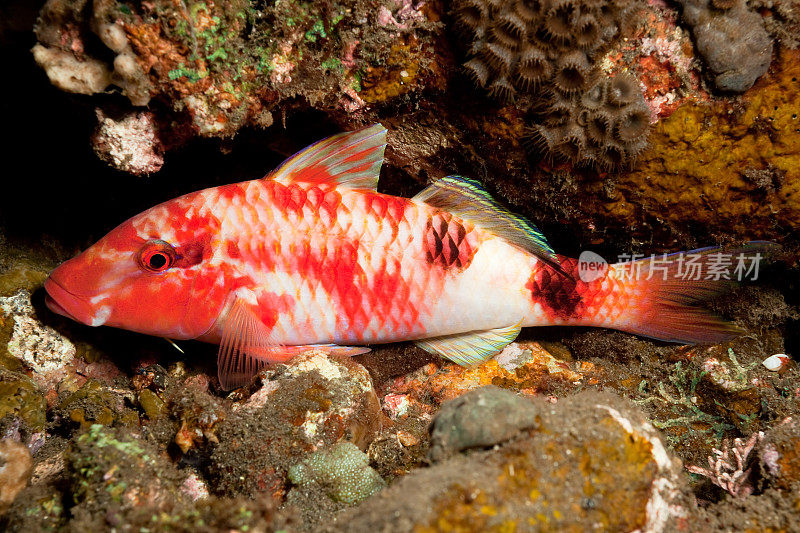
<point x="591" y="462"/>
<point x="15" y="471"/>
<point x="482" y="417"/>
<point x="310" y="403"/>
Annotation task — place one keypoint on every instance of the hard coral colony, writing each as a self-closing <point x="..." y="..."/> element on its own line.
<point x="548" y="51"/>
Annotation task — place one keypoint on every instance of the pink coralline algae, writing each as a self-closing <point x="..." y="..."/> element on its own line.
<point x="130" y="143"/>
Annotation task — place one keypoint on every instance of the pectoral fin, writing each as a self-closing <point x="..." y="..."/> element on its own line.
<point x="472" y="348"/>
<point x="246" y="347"/>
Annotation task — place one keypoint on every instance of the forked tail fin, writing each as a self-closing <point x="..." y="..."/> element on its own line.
<point x="662" y="291"/>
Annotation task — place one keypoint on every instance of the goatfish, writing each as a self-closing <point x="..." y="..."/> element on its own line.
<point x="312" y="256"/>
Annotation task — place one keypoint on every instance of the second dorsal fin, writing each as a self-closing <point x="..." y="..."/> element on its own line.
<point x="351" y="159"/>
<point x="468" y="199"/>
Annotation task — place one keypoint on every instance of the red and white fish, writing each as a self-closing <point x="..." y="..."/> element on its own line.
<point x="313" y="255"/>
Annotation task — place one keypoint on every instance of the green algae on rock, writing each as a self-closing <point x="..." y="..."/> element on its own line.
<point x="94" y="403"/>
<point x="21" y="400"/>
<point x="113" y="471"/>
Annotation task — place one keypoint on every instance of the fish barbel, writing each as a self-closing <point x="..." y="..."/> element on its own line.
<point x="313" y="256"/>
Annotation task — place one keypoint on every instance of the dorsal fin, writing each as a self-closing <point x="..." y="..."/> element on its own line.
<point x="351" y="159"/>
<point x="468" y="199"/>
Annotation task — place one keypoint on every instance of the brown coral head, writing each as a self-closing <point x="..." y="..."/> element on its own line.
<point x="633" y="124"/>
<point x="509" y="30"/>
<point x="533" y="68"/>
<point x="636" y="147"/>
<point x="594" y="97"/>
<point x="472" y="14"/>
<point x="572" y="143"/>
<point x="498" y="57"/>
<point x="540" y="138"/>
<point x="612" y="156"/>
<point x="559" y="113"/>
<point x="572" y="72"/>
<point x="599" y="126"/>
<point x="623" y="89"/>
<point x="478" y="71"/>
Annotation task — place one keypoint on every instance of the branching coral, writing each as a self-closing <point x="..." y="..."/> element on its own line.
<point x="734" y="475"/>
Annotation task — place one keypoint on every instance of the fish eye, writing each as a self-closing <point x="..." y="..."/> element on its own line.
<point x="156" y="256"/>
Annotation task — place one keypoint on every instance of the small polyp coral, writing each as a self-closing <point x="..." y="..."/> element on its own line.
<point x="545" y="51"/>
<point x="343" y="471"/>
<point x="518" y="44"/>
<point x="605" y="126"/>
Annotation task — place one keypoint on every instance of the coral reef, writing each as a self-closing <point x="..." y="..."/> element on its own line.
<point x="40" y="347"/>
<point x="64" y="49"/>
<point x="605" y="126"/>
<point x="591" y="463"/>
<point x="518" y="46"/>
<point x="731" y="39"/>
<point x="702" y="152"/>
<point x="220" y="66"/>
<point x="548" y="50"/>
<point x="117" y="431"/>
<point x="130" y="144"/>
<point x="341" y="471"/>
<point x="781" y="19"/>
<point x="114" y="471"/>
<point x="312" y="402"/>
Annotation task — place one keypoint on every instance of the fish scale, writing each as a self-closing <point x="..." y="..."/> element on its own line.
<point x="313" y="256"/>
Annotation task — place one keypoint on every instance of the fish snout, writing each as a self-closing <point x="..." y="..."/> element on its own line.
<point x="61" y="301"/>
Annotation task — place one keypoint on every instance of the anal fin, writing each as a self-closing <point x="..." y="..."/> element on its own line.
<point x="471" y="348"/>
<point x="246" y="347"/>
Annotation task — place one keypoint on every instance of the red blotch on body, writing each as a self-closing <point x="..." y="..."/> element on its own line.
<point x="232" y="250"/>
<point x="271" y="306"/>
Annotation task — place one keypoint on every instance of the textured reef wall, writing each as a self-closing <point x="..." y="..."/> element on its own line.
<point x="576" y="130"/>
<point x="617" y="125"/>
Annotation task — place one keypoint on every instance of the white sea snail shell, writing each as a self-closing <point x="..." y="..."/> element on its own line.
<point x="776" y="362"/>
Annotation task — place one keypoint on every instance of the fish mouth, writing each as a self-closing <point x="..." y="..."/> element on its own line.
<point x="61" y="301"/>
